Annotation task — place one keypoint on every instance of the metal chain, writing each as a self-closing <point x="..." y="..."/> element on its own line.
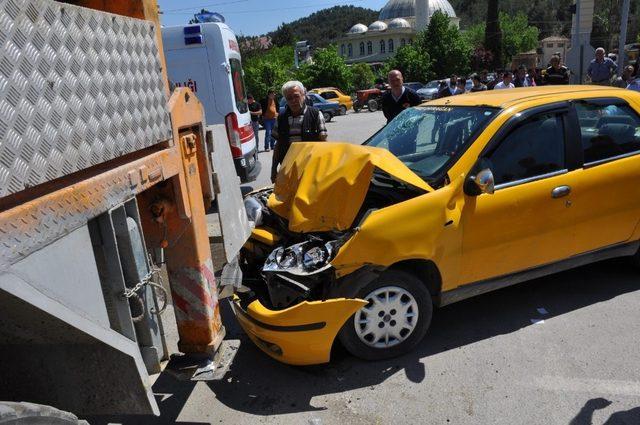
<point x="130" y="292"/>
<point x="147" y="280"/>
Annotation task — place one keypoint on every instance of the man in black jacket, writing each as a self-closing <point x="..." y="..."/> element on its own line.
<point x="299" y="123"/>
<point x="398" y="97"/>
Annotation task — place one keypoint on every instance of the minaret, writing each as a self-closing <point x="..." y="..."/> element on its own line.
<point x="422" y="14"/>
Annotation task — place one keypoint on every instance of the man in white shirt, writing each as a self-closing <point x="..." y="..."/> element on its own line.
<point x="506" y="81"/>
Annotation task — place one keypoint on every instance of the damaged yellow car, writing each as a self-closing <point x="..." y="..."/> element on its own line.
<point x="453" y="198"/>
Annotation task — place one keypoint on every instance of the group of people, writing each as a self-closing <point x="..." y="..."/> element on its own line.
<point x="601" y="71"/>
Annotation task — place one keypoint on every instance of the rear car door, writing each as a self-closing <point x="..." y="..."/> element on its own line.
<point x="527" y="221"/>
<point x="606" y="191"/>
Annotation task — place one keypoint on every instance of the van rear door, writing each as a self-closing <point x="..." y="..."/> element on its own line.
<point x="188" y="65"/>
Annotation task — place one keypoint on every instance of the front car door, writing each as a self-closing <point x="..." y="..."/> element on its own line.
<point x="526" y="222"/>
<point x="606" y="191"/>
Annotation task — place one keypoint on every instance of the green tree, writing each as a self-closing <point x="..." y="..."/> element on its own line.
<point x="413" y="61"/>
<point x="268" y="71"/>
<point x="283" y="36"/>
<point x="363" y="76"/>
<point x="327" y="69"/>
<point x="517" y="35"/>
<point x="445" y="45"/>
<point x="492" y="34"/>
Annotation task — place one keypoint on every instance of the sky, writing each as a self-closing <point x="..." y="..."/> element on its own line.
<point x="253" y="17"/>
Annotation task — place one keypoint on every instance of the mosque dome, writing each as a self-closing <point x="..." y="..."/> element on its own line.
<point x="407" y="8"/>
<point x="399" y="23"/>
<point x="378" y="26"/>
<point x="358" y="29"/>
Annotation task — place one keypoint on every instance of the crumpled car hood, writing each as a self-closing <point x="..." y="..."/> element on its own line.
<point x="321" y="186"/>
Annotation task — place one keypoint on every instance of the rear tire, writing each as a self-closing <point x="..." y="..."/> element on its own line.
<point x="343" y="110"/>
<point x="372" y="104"/>
<point x="395" y="320"/>
<point x="29" y="413"/>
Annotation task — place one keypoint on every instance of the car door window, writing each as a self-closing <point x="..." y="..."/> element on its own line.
<point x="329" y="95"/>
<point x="607" y="131"/>
<point x="534" y="148"/>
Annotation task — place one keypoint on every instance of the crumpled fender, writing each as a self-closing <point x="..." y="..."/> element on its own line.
<point x="304" y="332"/>
<point x="321" y="186"/>
<point x="425" y="227"/>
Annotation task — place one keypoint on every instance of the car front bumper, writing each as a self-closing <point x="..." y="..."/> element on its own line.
<point x="299" y="335"/>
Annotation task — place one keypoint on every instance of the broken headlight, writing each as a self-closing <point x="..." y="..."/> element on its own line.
<point x="301" y="259"/>
<point x="254" y="210"/>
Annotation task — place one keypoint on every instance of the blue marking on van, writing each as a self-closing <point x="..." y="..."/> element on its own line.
<point x="194" y="39"/>
<point x="195" y="29"/>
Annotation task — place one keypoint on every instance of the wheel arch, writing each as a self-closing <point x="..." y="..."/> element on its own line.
<point x="425" y="270"/>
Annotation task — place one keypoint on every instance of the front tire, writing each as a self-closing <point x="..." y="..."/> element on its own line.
<point x="393" y="322"/>
<point x="327" y="116"/>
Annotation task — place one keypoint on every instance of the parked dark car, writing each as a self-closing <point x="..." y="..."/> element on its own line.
<point x="329" y="109"/>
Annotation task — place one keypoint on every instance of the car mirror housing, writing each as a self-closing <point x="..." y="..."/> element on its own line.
<point x="484" y="181"/>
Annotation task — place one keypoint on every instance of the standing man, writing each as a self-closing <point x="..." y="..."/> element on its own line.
<point x="299" y="123"/>
<point x="522" y="79"/>
<point x="506" y="81"/>
<point x="556" y="74"/>
<point x="269" y="115"/>
<point x="601" y="69"/>
<point x="478" y="85"/>
<point x="255" y="110"/>
<point x="626" y="77"/>
<point x="634" y="83"/>
<point x="398" y="97"/>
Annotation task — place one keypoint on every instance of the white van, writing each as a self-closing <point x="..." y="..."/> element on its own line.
<point x="206" y="58"/>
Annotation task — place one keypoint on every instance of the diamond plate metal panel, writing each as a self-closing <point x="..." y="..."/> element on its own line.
<point x="35" y="224"/>
<point x="77" y="87"/>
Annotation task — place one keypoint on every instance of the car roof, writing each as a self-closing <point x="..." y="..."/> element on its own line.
<point x="324" y="89"/>
<point x="513" y="97"/>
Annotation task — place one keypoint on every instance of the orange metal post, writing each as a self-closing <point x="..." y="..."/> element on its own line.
<point x="177" y="222"/>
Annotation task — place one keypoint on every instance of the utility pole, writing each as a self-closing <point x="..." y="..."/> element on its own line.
<point x="623" y="35"/>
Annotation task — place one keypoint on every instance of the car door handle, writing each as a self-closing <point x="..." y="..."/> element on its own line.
<point x="560" y="191"/>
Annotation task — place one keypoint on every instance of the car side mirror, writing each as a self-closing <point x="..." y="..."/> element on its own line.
<point x="484" y="181"/>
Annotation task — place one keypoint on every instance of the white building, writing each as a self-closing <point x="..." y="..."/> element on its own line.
<point x="550" y="46"/>
<point x="398" y="23"/>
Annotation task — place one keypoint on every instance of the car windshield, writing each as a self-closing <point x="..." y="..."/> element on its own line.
<point x="426" y="138"/>
<point x="432" y="84"/>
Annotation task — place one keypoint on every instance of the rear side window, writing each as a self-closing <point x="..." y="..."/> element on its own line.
<point x="533" y="149"/>
<point x="607" y="131"/>
<point x="239" y="92"/>
<point x="329" y="95"/>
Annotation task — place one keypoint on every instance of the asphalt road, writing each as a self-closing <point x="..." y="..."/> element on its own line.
<point x="563" y="349"/>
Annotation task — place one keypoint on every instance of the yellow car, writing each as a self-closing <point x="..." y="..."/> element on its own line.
<point x="335" y="95"/>
<point x="454" y="198"/>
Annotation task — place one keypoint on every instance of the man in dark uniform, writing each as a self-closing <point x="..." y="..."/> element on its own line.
<point x="398" y="97"/>
<point x="299" y="123"/>
<point x="556" y="73"/>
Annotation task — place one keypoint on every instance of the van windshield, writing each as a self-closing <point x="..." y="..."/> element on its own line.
<point x="239" y="92"/>
<point x="428" y="138"/>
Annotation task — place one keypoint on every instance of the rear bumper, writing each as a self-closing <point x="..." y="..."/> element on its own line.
<point x="248" y="166"/>
<point x="299" y="335"/>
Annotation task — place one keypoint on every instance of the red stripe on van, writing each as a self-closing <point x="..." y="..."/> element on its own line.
<point x="246" y="133"/>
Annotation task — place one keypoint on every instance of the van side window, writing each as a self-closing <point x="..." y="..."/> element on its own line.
<point x="534" y="148"/>
<point x="239" y="92"/>
<point x="607" y="131"/>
